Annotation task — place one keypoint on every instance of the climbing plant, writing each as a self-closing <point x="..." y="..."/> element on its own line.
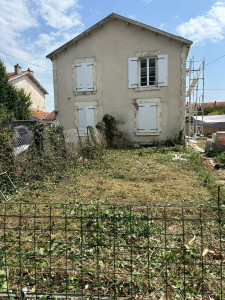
<point x="108" y="126"/>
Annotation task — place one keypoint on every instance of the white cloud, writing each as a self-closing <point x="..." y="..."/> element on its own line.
<point x="15" y="17"/>
<point x="30" y="29"/>
<point x="210" y="26"/>
<point x="147" y="1"/>
<point x="60" y="14"/>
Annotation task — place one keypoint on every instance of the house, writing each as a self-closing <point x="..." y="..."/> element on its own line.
<point x="27" y="81"/>
<point x="210" y="123"/>
<point x="37" y="116"/>
<point x="121" y="67"/>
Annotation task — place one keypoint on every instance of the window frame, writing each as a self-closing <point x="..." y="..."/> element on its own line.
<point x="139" y="73"/>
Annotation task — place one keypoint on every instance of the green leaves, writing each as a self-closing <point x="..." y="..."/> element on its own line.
<point x="14" y="103"/>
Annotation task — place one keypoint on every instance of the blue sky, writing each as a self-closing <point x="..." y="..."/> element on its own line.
<point x="31" y="29"/>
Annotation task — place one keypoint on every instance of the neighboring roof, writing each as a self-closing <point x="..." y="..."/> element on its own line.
<point x="50" y="116"/>
<point x="209" y="104"/>
<point x="38" y="114"/>
<point x="214" y="104"/>
<point x="212" y="121"/>
<point x="13" y="76"/>
<point x="119" y="17"/>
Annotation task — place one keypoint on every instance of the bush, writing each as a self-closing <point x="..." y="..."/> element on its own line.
<point x="6" y="151"/>
<point x="47" y="153"/>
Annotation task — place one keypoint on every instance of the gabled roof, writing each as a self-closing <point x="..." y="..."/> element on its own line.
<point x="38" y="114"/>
<point x="13" y="76"/>
<point x="127" y="20"/>
<point x="50" y="116"/>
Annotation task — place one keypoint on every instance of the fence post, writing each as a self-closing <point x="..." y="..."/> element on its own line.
<point x="220" y="238"/>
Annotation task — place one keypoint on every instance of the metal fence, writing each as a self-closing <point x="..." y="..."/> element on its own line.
<point x="97" y="251"/>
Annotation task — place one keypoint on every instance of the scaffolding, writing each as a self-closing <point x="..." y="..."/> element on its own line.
<point x="195" y="98"/>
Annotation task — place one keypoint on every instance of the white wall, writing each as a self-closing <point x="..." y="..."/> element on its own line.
<point x="37" y="96"/>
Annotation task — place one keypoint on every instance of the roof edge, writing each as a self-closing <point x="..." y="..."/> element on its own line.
<point x="32" y="78"/>
<point x="119" y="17"/>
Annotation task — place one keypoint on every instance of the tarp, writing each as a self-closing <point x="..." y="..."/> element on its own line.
<point x="217" y="121"/>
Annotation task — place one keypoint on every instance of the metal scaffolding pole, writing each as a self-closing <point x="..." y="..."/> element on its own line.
<point x="195" y="98"/>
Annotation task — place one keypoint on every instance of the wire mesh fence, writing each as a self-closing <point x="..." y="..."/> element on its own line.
<point x="96" y="251"/>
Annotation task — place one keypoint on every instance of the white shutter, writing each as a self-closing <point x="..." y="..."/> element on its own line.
<point x="90" y="116"/>
<point x="163" y="70"/>
<point x="147" y="115"/>
<point x="86" y="116"/>
<point x="80" y="75"/>
<point x="89" y="77"/>
<point x="132" y="72"/>
<point x="84" y="74"/>
<point x="81" y="117"/>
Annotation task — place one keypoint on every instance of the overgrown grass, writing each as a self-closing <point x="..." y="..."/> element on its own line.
<point x="92" y="256"/>
<point x="131" y="176"/>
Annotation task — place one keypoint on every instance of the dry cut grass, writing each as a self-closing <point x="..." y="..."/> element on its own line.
<point x="136" y="176"/>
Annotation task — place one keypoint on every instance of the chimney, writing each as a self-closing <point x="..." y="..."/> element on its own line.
<point x="30" y="71"/>
<point x="17" y="69"/>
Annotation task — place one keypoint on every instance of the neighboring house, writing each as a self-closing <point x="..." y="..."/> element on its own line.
<point x="37" y="116"/>
<point x="44" y="117"/>
<point x="214" y="104"/>
<point x="27" y="81"/>
<point x="210" y="123"/>
<point x="127" y="69"/>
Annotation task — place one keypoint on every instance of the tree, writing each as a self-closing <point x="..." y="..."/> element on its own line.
<point x="14" y="103"/>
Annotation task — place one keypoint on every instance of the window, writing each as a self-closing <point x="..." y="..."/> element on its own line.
<point x="86" y="117"/>
<point x="84" y="75"/>
<point x="147" y="72"/>
<point x="148" y="116"/>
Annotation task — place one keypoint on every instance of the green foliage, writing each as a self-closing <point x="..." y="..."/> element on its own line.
<point x="215" y="110"/>
<point x="57" y="140"/>
<point x="108" y="126"/>
<point x="38" y="136"/>
<point x="5" y="115"/>
<point x="218" y="157"/>
<point x="48" y="153"/>
<point x="6" y="151"/>
<point x="14" y="103"/>
<point x="90" y="147"/>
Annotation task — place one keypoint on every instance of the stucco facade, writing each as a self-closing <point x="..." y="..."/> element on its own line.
<point x="26" y="80"/>
<point x="109" y="48"/>
<point x="37" y="95"/>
